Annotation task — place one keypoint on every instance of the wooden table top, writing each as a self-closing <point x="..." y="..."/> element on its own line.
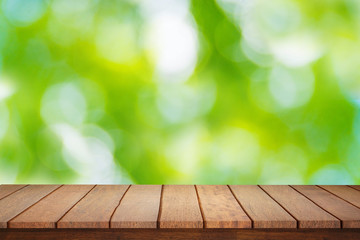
<point x="179" y="206"/>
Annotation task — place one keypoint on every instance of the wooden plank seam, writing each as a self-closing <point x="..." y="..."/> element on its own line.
<point x="74" y="205"/>
<point x="226" y="199"/>
<point x="338" y="196"/>
<point x="252" y="220"/>
<point x="355" y="187"/>
<point x="341" y="222"/>
<point x="99" y="216"/>
<point x="180" y="207"/>
<point x="160" y="207"/>
<point x="32" y="204"/>
<point x="221" y="209"/>
<point x="201" y="209"/>
<point x="119" y="204"/>
<point x="297" y="221"/>
<point x="13" y="191"/>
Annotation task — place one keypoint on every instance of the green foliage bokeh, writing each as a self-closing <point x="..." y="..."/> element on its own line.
<point x="215" y="92"/>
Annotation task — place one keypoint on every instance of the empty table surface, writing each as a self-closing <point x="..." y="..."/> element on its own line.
<point x="179" y="207"/>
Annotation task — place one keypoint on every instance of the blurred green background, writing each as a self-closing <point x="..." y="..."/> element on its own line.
<point x="166" y="91"/>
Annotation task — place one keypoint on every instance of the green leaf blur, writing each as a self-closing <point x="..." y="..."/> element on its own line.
<point x="176" y="91"/>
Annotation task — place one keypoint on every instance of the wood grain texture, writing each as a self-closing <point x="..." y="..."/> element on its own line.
<point x="220" y="208"/>
<point x="182" y="234"/>
<point x="94" y="210"/>
<point x="262" y="209"/>
<point x="8" y="189"/>
<point x="180" y="207"/>
<point x="347" y="213"/>
<point x="357" y="187"/>
<point x="306" y="212"/>
<point x="20" y="200"/>
<point x="345" y="192"/>
<point x="49" y="210"/>
<point x="139" y="208"/>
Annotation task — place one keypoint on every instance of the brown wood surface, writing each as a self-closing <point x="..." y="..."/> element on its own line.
<point x="49" y="210"/>
<point x="220" y="208"/>
<point x="139" y="208"/>
<point x="94" y="210"/>
<point x="345" y="192"/>
<point x="262" y="209"/>
<point x="347" y="213"/>
<point x="181" y="234"/>
<point x="308" y="214"/>
<point x="357" y="187"/>
<point x="20" y="200"/>
<point x="8" y="189"/>
<point x="180" y="207"/>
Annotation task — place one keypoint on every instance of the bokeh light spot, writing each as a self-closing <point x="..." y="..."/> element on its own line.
<point x="70" y="21"/>
<point x="179" y="91"/>
<point x="4" y="120"/>
<point x="89" y="156"/>
<point x="116" y="41"/>
<point x="6" y="88"/>
<point x="23" y="12"/>
<point x="64" y="103"/>
<point x="297" y="51"/>
<point x="179" y="102"/>
<point x="173" y="43"/>
<point x="291" y="87"/>
<point x="332" y="174"/>
<point x="185" y="150"/>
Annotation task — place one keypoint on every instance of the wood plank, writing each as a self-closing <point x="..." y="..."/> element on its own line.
<point x="357" y="187"/>
<point x="220" y="208"/>
<point x="49" y="210"/>
<point x="306" y="212"/>
<point x="95" y="210"/>
<point x="262" y="209"/>
<point x="180" y="207"/>
<point x="17" y="202"/>
<point x="139" y="208"/>
<point x="345" y="192"/>
<point x="347" y="213"/>
<point x="7" y="189"/>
